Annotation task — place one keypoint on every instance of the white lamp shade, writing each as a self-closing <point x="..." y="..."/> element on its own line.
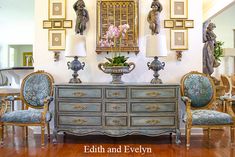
<point x="75" y="46"/>
<point x="156" y="46"/>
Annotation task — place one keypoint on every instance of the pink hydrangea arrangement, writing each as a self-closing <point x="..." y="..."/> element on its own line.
<point x="113" y="33"/>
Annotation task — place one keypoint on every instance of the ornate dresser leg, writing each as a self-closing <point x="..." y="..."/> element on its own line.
<point x="54" y="136"/>
<point x="178" y="134"/>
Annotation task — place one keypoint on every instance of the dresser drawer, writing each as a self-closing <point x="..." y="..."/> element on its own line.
<point x="152" y="121"/>
<point x="152" y="93"/>
<point x="80" y="93"/>
<point x="80" y="107"/>
<point x="118" y="93"/>
<point x="116" y="107"/>
<point x="79" y="120"/>
<point x="116" y="121"/>
<point x="153" y="107"/>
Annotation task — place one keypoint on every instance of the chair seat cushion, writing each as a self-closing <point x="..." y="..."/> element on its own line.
<point x="25" y="116"/>
<point x="210" y="117"/>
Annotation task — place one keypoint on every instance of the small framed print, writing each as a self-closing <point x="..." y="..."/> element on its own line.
<point x="179" y="9"/>
<point x="56" y="39"/>
<point x="57" y="24"/>
<point x="189" y="24"/>
<point x="168" y="23"/>
<point x="57" y="9"/>
<point x="179" y="23"/>
<point x="68" y="24"/>
<point x="47" y="24"/>
<point x="179" y="39"/>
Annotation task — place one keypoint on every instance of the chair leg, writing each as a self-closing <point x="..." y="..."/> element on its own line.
<point x="26" y="132"/>
<point x="1" y="133"/>
<point x="188" y="134"/>
<point x="232" y="134"/>
<point x="43" y="135"/>
<point x="209" y="133"/>
<point x="48" y="130"/>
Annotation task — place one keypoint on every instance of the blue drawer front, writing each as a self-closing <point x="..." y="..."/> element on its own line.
<point x="80" y="93"/>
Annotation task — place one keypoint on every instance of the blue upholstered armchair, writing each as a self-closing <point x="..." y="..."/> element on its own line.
<point x="198" y="93"/>
<point x="36" y="93"/>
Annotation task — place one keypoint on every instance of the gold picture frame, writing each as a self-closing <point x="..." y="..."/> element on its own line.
<point x="118" y="12"/>
<point x="27" y="58"/>
<point x="67" y="23"/>
<point x="47" y="24"/>
<point x="179" y="23"/>
<point x="179" y="9"/>
<point x="189" y="24"/>
<point x="179" y="39"/>
<point x="168" y="23"/>
<point x="57" y="24"/>
<point x="57" y="9"/>
<point x="56" y="39"/>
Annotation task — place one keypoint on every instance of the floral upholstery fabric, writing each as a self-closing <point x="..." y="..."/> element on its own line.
<point x="199" y="89"/>
<point x="209" y="117"/>
<point x="36" y="88"/>
<point x="25" y="116"/>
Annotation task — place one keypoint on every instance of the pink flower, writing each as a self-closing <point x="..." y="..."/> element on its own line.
<point x="112" y="33"/>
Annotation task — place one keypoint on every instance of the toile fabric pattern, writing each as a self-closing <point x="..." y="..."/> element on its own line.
<point x="199" y="89"/>
<point x="36" y="88"/>
<point x="25" y="116"/>
<point x="209" y="117"/>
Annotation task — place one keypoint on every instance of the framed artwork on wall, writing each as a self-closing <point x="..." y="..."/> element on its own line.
<point x="57" y="9"/>
<point x="27" y="58"/>
<point x="47" y="24"/>
<point x="57" y="24"/>
<point x="189" y="24"/>
<point x="118" y="13"/>
<point x="67" y="23"/>
<point x="168" y="23"/>
<point x="57" y="39"/>
<point x="179" y="9"/>
<point x="179" y="39"/>
<point x="179" y="23"/>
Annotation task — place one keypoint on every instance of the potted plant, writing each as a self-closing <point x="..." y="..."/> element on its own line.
<point x="218" y="51"/>
<point x="117" y="66"/>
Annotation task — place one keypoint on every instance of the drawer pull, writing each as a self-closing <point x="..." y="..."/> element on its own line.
<point x="116" y="94"/>
<point x="152" y="107"/>
<point x="116" y="122"/>
<point x="153" y="122"/>
<point x="79" y="94"/>
<point x="79" y="121"/>
<point x="152" y="94"/>
<point x="80" y="107"/>
<point x="116" y="107"/>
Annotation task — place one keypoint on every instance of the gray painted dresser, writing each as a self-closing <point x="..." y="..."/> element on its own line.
<point x="116" y="110"/>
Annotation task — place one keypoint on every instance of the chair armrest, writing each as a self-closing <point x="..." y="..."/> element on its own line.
<point x="186" y="99"/>
<point x="47" y="102"/>
<point x="230" y="110"/>
<point x="4" y="107"/>
<point x="187" y="102"/>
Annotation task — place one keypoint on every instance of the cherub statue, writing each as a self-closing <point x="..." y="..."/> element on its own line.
<point x="154" y="17"/>
<point x="209" y="61"/>
<point x="82" y="16"/>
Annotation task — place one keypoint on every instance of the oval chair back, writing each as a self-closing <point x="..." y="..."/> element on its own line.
<point x="199" y="88"/>
<point x="35" y="88"/>
<point x="226" y="81"/>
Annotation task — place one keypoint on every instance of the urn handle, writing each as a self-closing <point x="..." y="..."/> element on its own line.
<point x="133" y="66"/>
<point x="101" y="67"/>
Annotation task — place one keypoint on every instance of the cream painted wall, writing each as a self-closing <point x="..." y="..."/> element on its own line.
<point x="174" y="70"/>
<point x="16" y="26"/>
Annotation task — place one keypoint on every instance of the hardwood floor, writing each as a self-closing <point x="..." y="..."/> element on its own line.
<point x="72" y="146"/>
